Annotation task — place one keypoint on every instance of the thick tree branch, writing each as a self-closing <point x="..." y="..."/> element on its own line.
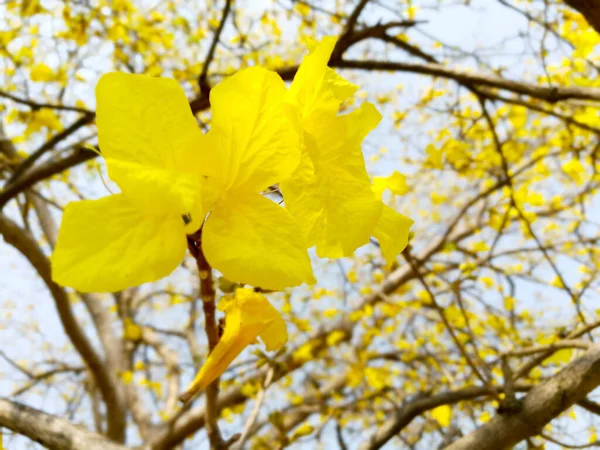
<point x="51" y="431"/>
<point x="542" y="404"/>
<point x="407" y="413"/>
<point x="25" y="243"/>
<point x="100" y="315"/>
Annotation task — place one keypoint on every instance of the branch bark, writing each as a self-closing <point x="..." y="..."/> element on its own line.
<point x="548" y="94"/>
<point x="27" y="246"/>
<point x="407" y="413"/>
<point x="51" y="431"/>
<point x="542" y="404"/>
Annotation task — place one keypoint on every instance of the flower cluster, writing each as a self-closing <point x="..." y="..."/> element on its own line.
<point x="175" y="180"/>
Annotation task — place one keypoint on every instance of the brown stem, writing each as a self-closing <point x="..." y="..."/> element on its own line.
<point x="207" y="294"/>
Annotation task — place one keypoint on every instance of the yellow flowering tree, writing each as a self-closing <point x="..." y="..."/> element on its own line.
<point x="190" y="179"/>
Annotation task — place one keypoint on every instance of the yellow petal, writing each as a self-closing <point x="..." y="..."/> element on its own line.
<point x="330" y="194"/>
<point x="162" y="191"/>
<point x="248" y="315"/>
<point x="41" y="72"/>
<point x="442" y="414"/>
<point x="254" y="134"/>
<point x="396" y="183"/>
<point x="317" y="91"/>
<point x="107" y="245"/>
<point x="392" y="233"/>
<point x="379" y="185"/>
<point x="252" y="240"/>
<point x="149" y="121"/>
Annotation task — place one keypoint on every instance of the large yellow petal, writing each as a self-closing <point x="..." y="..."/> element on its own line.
<point x="107" y="245"/>
<point x="392" y="233"/>
<point x="148" y="121"/>
<point x="252" y="240"/>
<point x="252" y="130"/>
<point x="317" y="91"/>
<point x="330" y="194"/>
<point x="248" y="315"/>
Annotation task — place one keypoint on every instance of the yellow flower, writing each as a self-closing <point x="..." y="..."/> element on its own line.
<point x="41" y="72"/>
<point x="150" y="141"/>
<point x="443" y="415"/>
<point x="253" y="145"/>
<point x="249" y="315"/>
<point x="171" y="176"/>
<point x="331" y="187"/>
<point x="396" y="183"/>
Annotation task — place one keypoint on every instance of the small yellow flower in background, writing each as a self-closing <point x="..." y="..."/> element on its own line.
<point x="575" y="170"/>
<point x="41" y="72"/>
<point x="131" y="330"/>
<point x="396" y="183"/>
<point x="248" y="315"/>
<point x="442" y="414"/>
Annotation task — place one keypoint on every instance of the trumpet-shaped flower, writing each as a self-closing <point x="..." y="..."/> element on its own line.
<point x="331" y="188"/>
<point x="249" y="316"/>
<point x="170" y="173"/>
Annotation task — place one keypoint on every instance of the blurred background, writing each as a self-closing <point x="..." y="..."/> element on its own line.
<point x="491" y="116"/>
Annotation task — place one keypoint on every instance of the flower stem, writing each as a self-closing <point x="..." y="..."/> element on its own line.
<point x="207" y="294"/>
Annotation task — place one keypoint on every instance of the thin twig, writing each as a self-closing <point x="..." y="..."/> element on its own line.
<point x="202" y="79"/>
<point x="254" y="415"/>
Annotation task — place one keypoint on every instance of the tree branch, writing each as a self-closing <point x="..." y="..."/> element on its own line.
<point x="407" y="413"/>
<point x="542" y="404"/>
<point x="43" y="172"/>
<point x="35" y="105"/>
<point x="26" y="244"/>
<point x="51" y="431"/>
<point x="203" y="78"/>
<point x="50" y="144"/>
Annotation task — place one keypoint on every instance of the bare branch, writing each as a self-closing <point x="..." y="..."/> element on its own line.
<point x="254" y="414"/>
<point x="542" y="404"/>
<point x="35" y="105"/>
<point x="566" y="343"/>
<point x="203" y="78"/>
<point x="548" y="94"/>
<point x="51" y="431"/>
<point x="49" y="145"/>
<point x="26" y="244"/>
<point x="406" y="413"/>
